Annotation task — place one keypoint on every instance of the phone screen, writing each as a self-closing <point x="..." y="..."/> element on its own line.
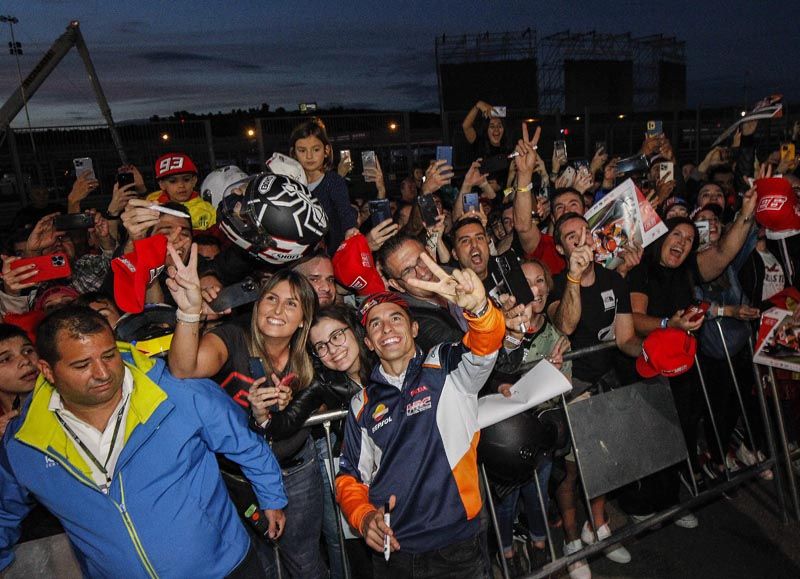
<point x="471" y="202"/>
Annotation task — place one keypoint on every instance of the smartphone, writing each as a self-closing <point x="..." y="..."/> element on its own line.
<point x="509" y="278"/>
<point x="73" y="221"/>
<point x="560" y="147"/>
<point x="124" y="179"/>
<point x="238" y="294"/>
<point x="787" y="152"/>
<point x="666" y="171"/>
<point x="53" y="266"/>
<point x="256" y="368"/>
<point x="379" y="210"/>
<point x="703" y="232"/>
<point x="569" y="175"/>
<point x="428" y="209"/>
<point x="499" y="112"/>
<point x="698" y="310"/>
<point x="471" y="202"/>
<point x="635" y="164"/>
<point x="83" y="166"/>
<point x="345" y="156"/>
<point x="368" y="160"/>
<point x="445" y="153"/>
<point x="654" y="128"/>
<point x="582" y="165"/>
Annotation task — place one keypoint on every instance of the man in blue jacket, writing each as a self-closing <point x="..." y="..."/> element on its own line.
<point x="123" y="454"/>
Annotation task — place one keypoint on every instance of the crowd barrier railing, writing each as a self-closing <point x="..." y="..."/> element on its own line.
<point x="782" y="468"/>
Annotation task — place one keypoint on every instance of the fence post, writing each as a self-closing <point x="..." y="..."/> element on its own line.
<point x="262" y="154"/>
<point x="782" y="434"/>
<point x="12" y="146"/>
<point x="407" y="139"/>
<point x="210" y="143"/>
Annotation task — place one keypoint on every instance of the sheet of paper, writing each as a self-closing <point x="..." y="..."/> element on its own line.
<point x="543" y="382"/>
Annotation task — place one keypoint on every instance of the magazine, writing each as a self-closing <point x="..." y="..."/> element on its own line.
<point x="768" y="108"/>
<point x="778" y="343"/>
<point x="619" y="217"/>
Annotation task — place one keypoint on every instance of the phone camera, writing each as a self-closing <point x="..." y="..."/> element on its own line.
<point x="57" y="260"/>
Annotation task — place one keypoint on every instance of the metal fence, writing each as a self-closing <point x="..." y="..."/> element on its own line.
<point x="401" y="140"/>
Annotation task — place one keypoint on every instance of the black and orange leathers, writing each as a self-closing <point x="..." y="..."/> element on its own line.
<point x="419" y="442"/>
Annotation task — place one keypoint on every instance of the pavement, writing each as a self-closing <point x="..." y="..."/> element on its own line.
<point x="742" y="537"/>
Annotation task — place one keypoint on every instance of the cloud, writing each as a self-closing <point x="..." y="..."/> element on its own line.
<point x="170" y="57"/>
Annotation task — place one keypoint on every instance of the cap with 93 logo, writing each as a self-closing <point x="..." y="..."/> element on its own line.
<point x="174" y="164"/>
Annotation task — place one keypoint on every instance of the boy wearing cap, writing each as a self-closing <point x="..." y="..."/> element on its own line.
<point x="177" y="177"/>
<point x="411" y="435"/>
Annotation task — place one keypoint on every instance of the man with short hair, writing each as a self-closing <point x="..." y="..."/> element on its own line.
<point x="591" y="305"/>
<point x="471" y="247"/>
<point x="411" y="435"/>
<point x="400" y="260"/>
<point x="123" y="454"/>
<point x="318" y="270"/>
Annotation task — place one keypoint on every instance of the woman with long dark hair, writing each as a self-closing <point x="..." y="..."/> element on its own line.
<point x="275" y="339"/>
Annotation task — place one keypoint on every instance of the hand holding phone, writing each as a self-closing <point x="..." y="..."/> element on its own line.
<point x="125" y="178"/>
<point x="47" y="267"/>
<point x="73" y="221"/>
<point x="428" y="210"/>
<point x="471" y="203"/>
<point x="379" y="210"/>
<point x="84" y="166"/>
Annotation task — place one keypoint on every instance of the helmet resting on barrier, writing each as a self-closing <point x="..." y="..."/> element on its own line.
<point x="512" y="449"/>
<point x="272" y="217"/>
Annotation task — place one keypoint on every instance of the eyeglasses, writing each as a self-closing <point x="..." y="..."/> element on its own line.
<point x="411" y="269"/>
<point x="336" y="338"/>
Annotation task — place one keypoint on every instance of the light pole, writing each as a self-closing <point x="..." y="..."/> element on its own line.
<point x="15" y="48"/>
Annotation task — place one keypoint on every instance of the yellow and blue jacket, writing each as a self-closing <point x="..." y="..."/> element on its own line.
<point x="167" y="511"/>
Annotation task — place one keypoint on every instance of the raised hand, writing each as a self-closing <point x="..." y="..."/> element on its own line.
<point x="581" y="258"/>
<point x="138" y="219"/>
<point x="556" y="355"/>
<point x="527" y="157"/>
<point x="15" y="280"/>
<point x="631" y="255"/>
<point x="83" y="185"/>
<point x="43" y="236"/>
<point x="120" y="198"/>
<point x="473" y="178"/>
<point x="438" y="175"/>
<point x="463" y="287"/>
<point x="184" y="283"/>
<point x="378" y="235"/>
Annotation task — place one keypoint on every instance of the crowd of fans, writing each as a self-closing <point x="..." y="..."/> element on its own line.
<point x="398" y="317"/>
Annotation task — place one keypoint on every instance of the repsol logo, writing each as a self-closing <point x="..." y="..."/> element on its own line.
<point x="381" y="424"/>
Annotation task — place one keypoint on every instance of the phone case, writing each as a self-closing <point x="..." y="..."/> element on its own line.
<point x="73" y="221"/>
<point x="53" y="266"/>
<point x="380" y="210"/>
<point x="471" y="202"/>
<point x="428" y="209"/>
<point x="239" y="294"/>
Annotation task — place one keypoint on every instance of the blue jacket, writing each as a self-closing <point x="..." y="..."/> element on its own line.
<point x="420" y="442"/>
<point x="167" y="512"/>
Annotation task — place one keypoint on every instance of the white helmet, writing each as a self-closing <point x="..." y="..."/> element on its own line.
<point x="215" y="184"/>
<point x="283" y="165"/>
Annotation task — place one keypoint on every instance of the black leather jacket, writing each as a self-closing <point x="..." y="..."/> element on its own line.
<point x="333" y="389"/>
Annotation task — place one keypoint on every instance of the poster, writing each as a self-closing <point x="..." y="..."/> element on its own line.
<point x="778" y="343"/>
<point x="619" y="217"/>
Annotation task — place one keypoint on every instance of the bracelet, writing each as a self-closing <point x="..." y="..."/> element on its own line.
<point x="525" y="189"/>
<point x="512" y="340"/>
<point x="479" y="313"/>
<point x="571" y="279"/>
<point x="187" y="318"/>
<point x="721" y="312"/>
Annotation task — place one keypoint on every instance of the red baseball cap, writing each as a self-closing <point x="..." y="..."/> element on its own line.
<point x="777" y="209"/>
<point x="134" y="271"/>
<point x="354" y="267"/>
<point x="378" y="299"/>
<point x="666" y="351"/>
<point x="28" y="321"/>
<point x="174" y="164"/>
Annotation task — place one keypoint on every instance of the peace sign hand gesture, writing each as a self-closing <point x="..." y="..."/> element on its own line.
<point x="462" y="288"/>
<point x="184" y="283"/>
<point x="527" y="156"/>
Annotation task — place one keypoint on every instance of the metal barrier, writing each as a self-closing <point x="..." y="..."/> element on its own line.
<point x="697" y="498"/>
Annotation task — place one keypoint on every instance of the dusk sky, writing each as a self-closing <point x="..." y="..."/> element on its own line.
<point x="154" y="58"/>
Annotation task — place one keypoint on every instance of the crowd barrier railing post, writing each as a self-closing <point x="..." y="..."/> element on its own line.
<point x="784" y="443"/>
<point x="711" y="418"/>
<point x="751" y="439"/>
<point x="771" y="446"/>
<point x="543" y="507"/>
<point x="332" y="476"/>
<point x="493" y="515"/>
